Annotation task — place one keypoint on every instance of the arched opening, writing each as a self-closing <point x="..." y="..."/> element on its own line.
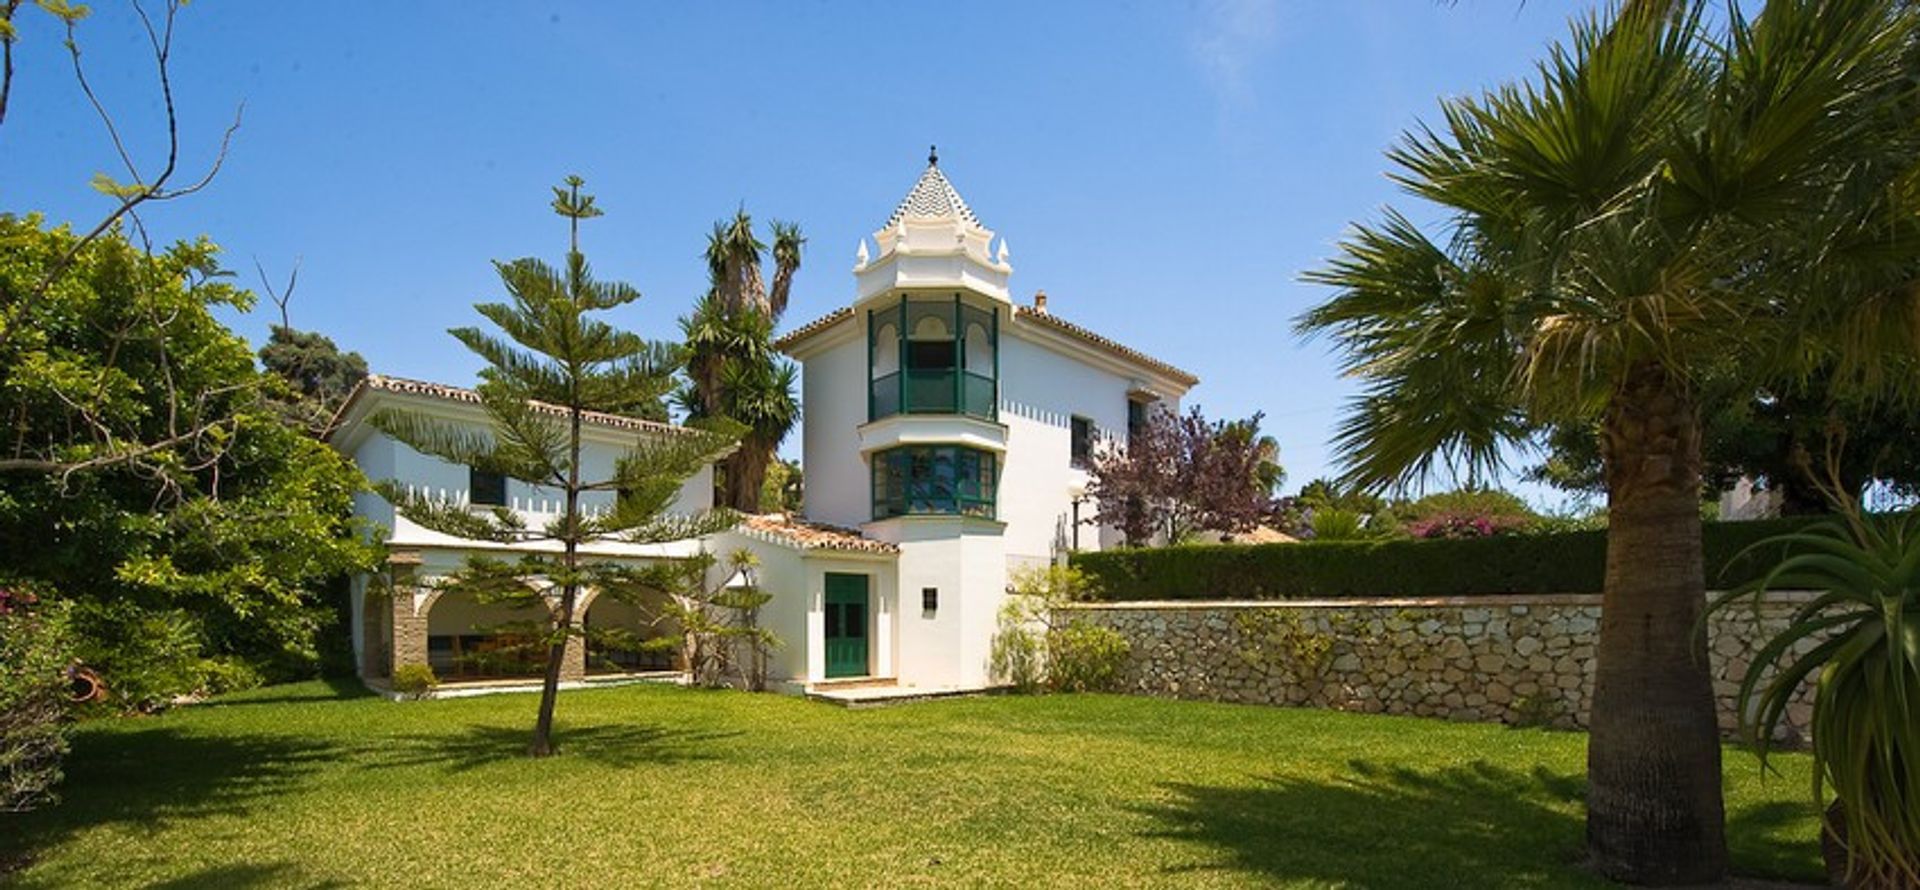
<point x="933" y="355"/>
<point x="471" y="640"/>
<point x="630" y="637"/>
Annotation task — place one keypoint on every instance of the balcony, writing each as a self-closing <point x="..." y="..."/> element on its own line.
<point x="932" y="392"/>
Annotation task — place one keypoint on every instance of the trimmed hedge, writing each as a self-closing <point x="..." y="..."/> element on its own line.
<point x="1569" y="562"/>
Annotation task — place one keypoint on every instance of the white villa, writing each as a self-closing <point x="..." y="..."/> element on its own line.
<point x="944" y="441"/>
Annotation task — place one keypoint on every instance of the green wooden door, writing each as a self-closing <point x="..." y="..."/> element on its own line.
<point x="846" y="625"/>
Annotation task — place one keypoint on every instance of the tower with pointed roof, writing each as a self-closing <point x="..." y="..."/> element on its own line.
<point x="945" y="419"/>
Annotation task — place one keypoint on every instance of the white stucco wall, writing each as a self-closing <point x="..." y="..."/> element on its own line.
<point x="965" y="560"/>
<point x="834" y="405"/>
<point x="796" y="612"/>
<point x="1041" y="390"/>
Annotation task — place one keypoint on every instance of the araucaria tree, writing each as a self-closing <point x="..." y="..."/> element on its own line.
<point x="556" y="365"/>
<point x="737" y="384"/>
<point x="1181" y="473"/>
<point x="1665" y="196"/>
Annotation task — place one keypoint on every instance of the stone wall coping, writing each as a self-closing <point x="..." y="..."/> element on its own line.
<point x="1490" y="601"/>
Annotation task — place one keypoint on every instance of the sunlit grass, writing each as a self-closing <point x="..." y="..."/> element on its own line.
<point x="301" y="786"/>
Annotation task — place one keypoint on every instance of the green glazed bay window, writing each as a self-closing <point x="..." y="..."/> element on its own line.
<point x="934" y="480"/>
<point x="933" y="355"/>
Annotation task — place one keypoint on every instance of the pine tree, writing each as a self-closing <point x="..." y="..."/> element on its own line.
<point x="556" y="365"/>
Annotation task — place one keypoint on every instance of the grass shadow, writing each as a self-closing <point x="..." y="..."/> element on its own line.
<point x="247" y="875"/>
<point x="1377" y="825"/>
<point x="158" y="774"/>
<point x="613" y="745"/>
<point x="327" y="689"/>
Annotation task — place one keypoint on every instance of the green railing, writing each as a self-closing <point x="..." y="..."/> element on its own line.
<point x="933" y="392"/>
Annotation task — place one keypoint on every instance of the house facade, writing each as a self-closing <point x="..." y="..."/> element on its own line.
<point x="945" y="442"/>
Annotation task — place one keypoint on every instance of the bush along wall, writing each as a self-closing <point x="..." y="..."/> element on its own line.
<point x="1570" y="562"/>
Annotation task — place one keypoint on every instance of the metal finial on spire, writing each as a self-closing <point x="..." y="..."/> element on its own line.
<point x="933" y="155"/>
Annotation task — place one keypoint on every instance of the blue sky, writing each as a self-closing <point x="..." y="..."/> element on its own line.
<point x="1164" y="171"/>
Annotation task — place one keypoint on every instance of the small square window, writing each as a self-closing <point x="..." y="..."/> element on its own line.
<point x="486" y="489"/>
<point x="929" y="599"/>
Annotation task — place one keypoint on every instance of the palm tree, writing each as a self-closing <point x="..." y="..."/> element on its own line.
<point x="1662" y="197"/>
<point x="737" y="382"/>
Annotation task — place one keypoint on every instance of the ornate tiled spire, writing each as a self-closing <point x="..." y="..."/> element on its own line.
<point x="933" y="197"/>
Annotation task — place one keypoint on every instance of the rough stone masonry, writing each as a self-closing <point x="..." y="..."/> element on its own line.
<point x="1514" y="659"/>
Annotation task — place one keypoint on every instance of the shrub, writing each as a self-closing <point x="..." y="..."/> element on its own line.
<point x="1572" y="562"/>
<point x="1017" y="655"/>
<point x="35" y="657"/>
<point x="1083" y="657"/>
<point x="414" y="680"/>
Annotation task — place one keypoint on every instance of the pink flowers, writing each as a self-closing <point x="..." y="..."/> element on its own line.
<point x="1456" y="524"/>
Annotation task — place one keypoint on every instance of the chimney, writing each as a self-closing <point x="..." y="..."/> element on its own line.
<point x="1040" y="302"/>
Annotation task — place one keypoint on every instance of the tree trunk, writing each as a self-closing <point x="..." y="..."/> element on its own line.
<point x="1654" y="811"/>
<point x="542" y="744"/>
<point x="747" y="473"/>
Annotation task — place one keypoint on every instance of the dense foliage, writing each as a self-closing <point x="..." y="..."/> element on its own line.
<point x="36" y="653"/>
<point x="318" y="377"/>
<point x="1570" y="562"/>
<point x="737" y="384"/>
<point x="1179" y="474"/>
<point x="203" y="562"/>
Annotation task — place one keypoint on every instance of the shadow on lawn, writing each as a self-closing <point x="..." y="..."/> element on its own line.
<point x="613" y="745"/>
<point x="247" y="875"/>
<point x="327" y="689"/>
<point x="1389" y="826"/>
<point x="154" y="775"/>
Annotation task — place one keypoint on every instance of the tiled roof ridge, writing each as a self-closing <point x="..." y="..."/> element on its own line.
<point x="1048" y="319"/>
<point x="411" y="386"/>
<point x="784" y="528"/>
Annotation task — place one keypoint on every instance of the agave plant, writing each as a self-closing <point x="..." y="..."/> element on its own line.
<point x="1859" y="637"/>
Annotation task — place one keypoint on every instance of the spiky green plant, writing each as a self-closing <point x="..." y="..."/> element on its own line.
<point x="557" y="365"/>
<point x="1864" y="629"/>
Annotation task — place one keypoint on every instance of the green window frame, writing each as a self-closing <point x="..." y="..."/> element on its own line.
<point x="935" y="480"/>
<point x="935" y="375"/>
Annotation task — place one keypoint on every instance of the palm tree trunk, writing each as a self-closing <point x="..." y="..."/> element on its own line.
<point x="1654" y="811"/>
<point x="747" y="473"/>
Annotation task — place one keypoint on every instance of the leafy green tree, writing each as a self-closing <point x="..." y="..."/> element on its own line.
<point x="318" y="376"/>
<point x="737" y="383"/>
<point x="147" y="481"/>
<point x="1765" y="434"/>
<point x="556" y="364"/>
<point x="1664" y="197"/>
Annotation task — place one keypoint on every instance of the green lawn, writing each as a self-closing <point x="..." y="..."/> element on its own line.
<point x="304" y="786"/>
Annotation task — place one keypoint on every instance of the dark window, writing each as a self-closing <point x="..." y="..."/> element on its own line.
<point x="929" y="599"/>
<point x="486" y="489"/>
<point x="940" y="479"/>
<point x="932" y="355"/>
<point x="1082" y="442"/>
<point x="1136" y="418"/>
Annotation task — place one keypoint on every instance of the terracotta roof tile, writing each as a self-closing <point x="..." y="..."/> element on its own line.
<point x="407" y="386"/>
<point x="816" y="326"/>
<point x="782" y="528"/>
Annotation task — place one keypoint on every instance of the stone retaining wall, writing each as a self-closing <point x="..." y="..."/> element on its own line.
<point x="1513" y="659"/>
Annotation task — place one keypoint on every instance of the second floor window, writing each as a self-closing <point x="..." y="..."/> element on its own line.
<point x="1082" y="445"/>
<point x="486" y="489"/>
